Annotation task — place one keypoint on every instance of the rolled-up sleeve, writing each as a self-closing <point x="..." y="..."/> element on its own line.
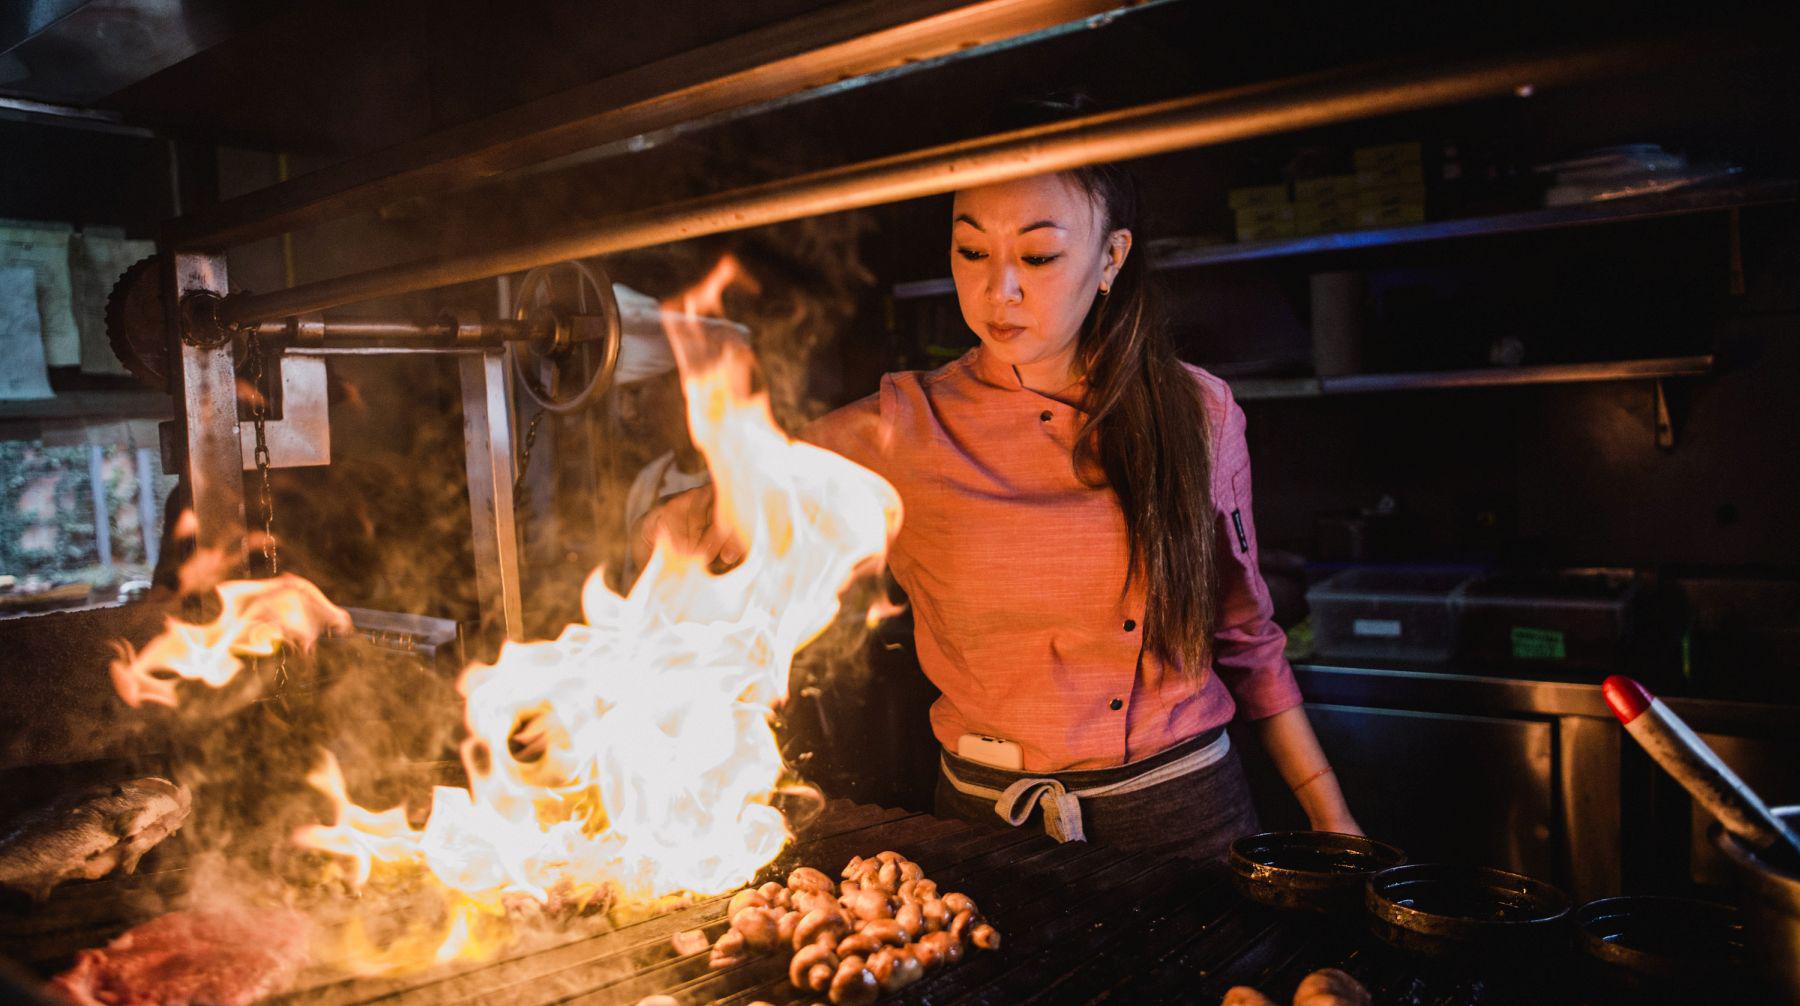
<point x="1248" y="646"/>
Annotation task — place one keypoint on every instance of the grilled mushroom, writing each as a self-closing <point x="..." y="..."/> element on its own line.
<point x="812" y="968"/>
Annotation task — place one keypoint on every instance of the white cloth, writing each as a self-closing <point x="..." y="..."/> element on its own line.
<point x="1062" y="807"/>
<point x="44" y="249"/>
<point x="98" y="256"/>
<point x="22" y="373"/>
<point x="644" y="344"/>
<point x="659" y="480"/>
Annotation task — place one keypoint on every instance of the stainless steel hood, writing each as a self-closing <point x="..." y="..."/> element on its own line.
<point x="76" y="53"/>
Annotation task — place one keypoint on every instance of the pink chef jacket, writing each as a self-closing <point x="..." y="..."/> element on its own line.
<point x="1015" y="570"/>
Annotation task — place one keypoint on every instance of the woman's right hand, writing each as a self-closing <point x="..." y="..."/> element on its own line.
<point x="687" y="518"/>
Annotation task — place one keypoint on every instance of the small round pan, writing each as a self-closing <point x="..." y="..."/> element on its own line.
<point x="1444" y="910"/>
<point x="1643" y="943"/>
<point x="1308" y="871"/>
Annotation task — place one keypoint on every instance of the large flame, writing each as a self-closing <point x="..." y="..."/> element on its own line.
<point x="256" y="617"/>
<point x="633" y="756"/>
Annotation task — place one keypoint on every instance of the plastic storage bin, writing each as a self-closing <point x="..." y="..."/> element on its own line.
<point x="1573" y="621"/>
<point x="1406" y="615"/>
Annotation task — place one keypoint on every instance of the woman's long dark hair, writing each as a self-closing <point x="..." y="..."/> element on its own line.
<point x="1146" y="427"/>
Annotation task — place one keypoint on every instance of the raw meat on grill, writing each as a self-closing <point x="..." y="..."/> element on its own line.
<point x="217" y="957"/>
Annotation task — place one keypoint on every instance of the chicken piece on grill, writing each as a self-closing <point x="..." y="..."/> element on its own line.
<point x="89" y="834"/>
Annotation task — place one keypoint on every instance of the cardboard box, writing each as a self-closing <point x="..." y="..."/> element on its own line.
<point x="1388" y="175"/>
<point x="1325" y="187"/>
<point x="1328" y="224"/>
<point x="1393" y="195"/>
<point x="1265" y="232"/>
<point x="1256" y="195"/>
<point x="1343" y="205"/>
<point x="1391" y="216"/>
<point x="1386" y="154"/>
<point x="1258" y="215"/>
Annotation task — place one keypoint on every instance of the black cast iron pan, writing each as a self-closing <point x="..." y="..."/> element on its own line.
<point x="1445" y="910"/>
<point x="1309" y="871"/>
<point x="1656" y="945"/>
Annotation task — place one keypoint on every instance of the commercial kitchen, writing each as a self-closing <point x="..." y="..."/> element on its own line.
<point x="364" y="642"/>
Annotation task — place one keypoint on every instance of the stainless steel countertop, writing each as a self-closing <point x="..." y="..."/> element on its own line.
<point x="1485" y="695"/>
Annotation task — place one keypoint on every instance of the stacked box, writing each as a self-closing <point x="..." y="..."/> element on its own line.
<point x="1386" y="188"/>
<point x="1410" y="152"/>
<point x="1390" y="183"/>
<point x="1263" y="212"/>
<point x="1257" y="195"/>
<point x="1325" y="204"/>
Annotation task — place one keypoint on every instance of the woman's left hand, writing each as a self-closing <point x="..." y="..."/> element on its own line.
<point x="1344" y="824"/>
<point x="1295" y="750"/>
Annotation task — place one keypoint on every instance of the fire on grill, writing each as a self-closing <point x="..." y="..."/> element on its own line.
<point x="626" y="828"/>
<point x="625" y="767"/>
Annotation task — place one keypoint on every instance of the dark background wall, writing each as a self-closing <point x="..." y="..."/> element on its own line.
<point x="1557" y="476"/>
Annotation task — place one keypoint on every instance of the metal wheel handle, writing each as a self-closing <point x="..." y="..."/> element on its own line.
<point x="535" y="301"/>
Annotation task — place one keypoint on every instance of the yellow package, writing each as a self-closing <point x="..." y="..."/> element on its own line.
<point x="1385" y="154"/>
<point x="1256" y="195"/>
<point x="1326" y="187"/>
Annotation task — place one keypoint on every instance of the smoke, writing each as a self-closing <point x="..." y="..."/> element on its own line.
<point x="386" y="526"/>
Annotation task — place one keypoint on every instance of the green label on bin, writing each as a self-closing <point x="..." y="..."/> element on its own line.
<point x="1538" y="644"/>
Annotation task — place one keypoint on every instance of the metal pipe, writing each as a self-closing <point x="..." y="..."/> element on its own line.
<point x="1161" y="127"/>
<point x="840" y="46"/>
<point x="313" y="331"/>
<point x="323" y="351"/>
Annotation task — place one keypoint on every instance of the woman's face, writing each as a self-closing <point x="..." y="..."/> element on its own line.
<point x="1028" y="258"/>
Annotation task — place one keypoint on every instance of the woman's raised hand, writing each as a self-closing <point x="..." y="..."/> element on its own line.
<point x="687" y="518"/>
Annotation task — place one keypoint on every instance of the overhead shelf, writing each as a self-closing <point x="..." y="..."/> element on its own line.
<point x="1697" y="200"/>
<point x="123" y="404"/>
<point x="1248" y="389"/>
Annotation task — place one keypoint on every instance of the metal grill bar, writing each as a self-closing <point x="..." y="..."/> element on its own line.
<point x="1081" y="924"/>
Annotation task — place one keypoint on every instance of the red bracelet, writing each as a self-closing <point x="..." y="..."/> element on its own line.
<point x="1309" y="779"/>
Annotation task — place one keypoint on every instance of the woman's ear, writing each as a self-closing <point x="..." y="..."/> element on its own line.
<point x="1118" y="246"/>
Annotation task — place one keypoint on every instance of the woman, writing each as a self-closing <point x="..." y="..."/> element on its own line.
<point x="1077" y="546"/>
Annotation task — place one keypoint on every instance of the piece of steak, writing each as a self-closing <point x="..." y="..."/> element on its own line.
<point x="89" y="834"/>
<point x="217" y="957"/>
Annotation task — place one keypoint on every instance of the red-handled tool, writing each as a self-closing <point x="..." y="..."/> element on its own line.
<point x="1697" y="767"/>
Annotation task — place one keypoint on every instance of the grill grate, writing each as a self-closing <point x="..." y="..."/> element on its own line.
<point x="1081" y="924"/>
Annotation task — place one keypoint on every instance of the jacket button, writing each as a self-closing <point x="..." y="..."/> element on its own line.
<point x="1044" y="416"/>
<point x="1130" y="624"/>
<point x="1116" y="704"/>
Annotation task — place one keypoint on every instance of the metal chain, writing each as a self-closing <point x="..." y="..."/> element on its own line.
<point x="531" y="432"/>
<point x="259" y="414"/>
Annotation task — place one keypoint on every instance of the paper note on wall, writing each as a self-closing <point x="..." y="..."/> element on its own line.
<point x="44" y="249"/>
<point x="98" y="256"/>
<point x="22" y="374"/>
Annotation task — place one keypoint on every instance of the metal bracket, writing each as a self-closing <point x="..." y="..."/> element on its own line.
<point x="200" y="324"/>
<point x="487" y="437"/>
<point x="302" y="436"/>
<point x="208" y="412"/>
<point x="1665" y="426"/>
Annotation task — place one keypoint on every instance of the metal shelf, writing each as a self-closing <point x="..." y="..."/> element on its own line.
<point x="124" y="404"/>
<point x="1250" y="389"/>
<point x="1697" y="200"/>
